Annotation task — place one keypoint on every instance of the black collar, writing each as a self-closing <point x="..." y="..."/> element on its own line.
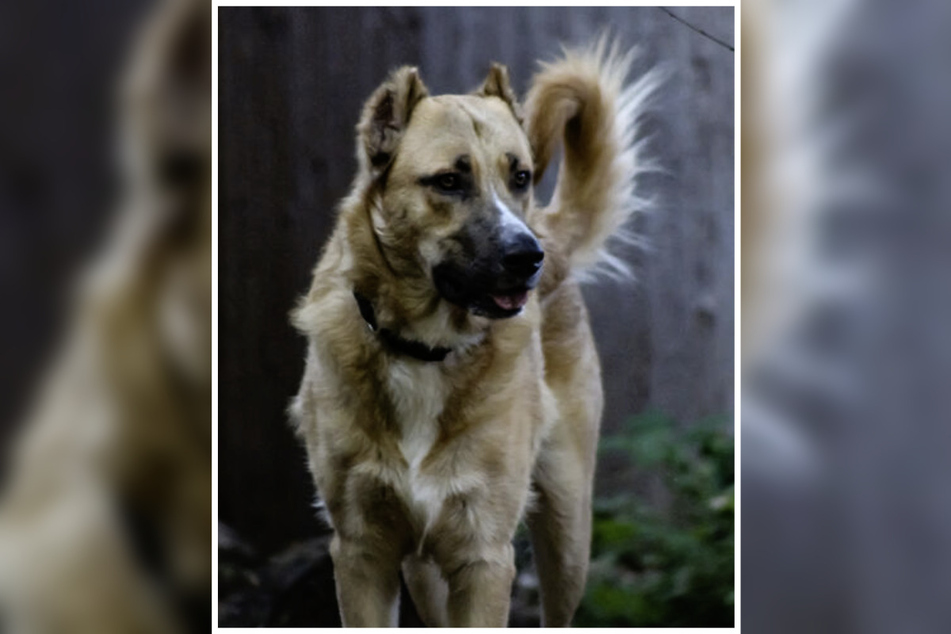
<point x="393" y="341"/>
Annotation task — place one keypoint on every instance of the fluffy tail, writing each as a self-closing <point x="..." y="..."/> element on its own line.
<point x="584" y="100"/>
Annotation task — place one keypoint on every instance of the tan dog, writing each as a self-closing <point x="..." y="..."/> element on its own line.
<point x="451" y="377"/>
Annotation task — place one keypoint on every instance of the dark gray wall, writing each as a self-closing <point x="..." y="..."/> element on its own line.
<point x="60" y="63"/>
<point x="291" y="84"/>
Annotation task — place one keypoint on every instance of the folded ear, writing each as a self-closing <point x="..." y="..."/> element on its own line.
<point x="386" y="115"/>
<point x="497" y="85"/>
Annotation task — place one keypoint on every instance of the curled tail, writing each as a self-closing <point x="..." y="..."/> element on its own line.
<point x="583" y="99"/>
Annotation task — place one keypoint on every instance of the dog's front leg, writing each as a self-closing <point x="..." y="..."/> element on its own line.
<point x="479" y="589"/>
<point x="368" y="585"/>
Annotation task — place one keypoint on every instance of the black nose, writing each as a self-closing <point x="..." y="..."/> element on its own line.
<point x="523" y="256"/>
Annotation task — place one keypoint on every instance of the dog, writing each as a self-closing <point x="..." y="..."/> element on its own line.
<point x="452" y="384"/>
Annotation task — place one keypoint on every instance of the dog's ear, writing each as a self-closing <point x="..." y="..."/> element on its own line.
<point x="386" y="115"/>
<point x="497" y="85"/>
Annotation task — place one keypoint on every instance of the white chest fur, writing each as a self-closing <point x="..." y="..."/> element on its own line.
<point x="418" y="392"/>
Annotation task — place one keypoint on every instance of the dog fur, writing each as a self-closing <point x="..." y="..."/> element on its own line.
<point x="427" y="467"/>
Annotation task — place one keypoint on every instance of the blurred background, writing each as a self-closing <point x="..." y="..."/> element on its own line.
<point x="846" y="257"/>
<point x="846" y="302"/>
<point x="105" y="332"/>
<point x="58" y="162"/>
<point x="291" y="86"/>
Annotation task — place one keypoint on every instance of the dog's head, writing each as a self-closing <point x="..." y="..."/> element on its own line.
<point x="452" y="177"/>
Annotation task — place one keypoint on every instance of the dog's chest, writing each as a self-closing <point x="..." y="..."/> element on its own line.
<point x="418" y="393"/>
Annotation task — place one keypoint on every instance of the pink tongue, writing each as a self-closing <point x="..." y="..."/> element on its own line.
<point x="511" y="302"/>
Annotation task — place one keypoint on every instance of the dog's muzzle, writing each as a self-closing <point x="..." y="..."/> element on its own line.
<point x="497" y="288"/>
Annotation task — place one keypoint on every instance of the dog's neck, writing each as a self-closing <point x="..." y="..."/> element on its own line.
<point x="394" y="342"/>
<point x="405" y="303"/>
<point x="418" y="326"/>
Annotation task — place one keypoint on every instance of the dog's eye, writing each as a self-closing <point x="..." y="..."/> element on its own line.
<point x="449" y="182"/>
<point x="521" y="179"/>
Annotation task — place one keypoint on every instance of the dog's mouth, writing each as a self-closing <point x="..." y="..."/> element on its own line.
<point x="483" y="297"/>
<point x="511" y="301"/>
<point x="499" y="304"/>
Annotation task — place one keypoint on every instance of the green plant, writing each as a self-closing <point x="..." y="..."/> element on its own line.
<point x="670" y="566"/>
